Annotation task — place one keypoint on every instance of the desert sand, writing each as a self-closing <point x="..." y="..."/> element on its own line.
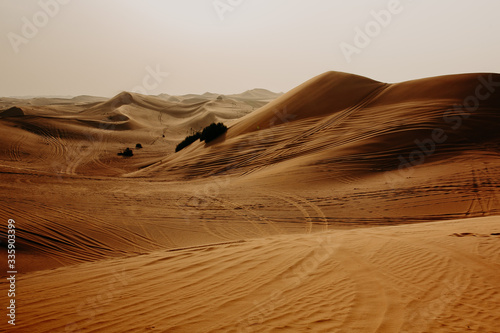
<point x="343" y="205"/>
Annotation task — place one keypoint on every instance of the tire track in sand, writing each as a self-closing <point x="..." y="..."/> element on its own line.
<point x="304" y="206"/>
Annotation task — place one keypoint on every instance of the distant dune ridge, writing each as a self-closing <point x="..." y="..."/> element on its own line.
<point x="12" y="112"/>
<point x="343" y="205"/>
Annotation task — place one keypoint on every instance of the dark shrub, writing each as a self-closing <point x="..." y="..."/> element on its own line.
<point x="187" y="141"/>
<point x="127" y="152"/>
<point x="138" y="146"/>
<point x="213" y="131"/>
<point x="208" y="134"/>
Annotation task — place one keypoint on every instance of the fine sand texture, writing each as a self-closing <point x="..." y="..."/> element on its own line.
<point x="429" y="277"/>
<point x="343" y="205"/>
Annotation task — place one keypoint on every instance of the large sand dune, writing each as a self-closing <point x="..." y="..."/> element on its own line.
<point x="315" y="212"/>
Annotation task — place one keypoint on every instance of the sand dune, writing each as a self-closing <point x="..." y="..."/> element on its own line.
<point x="55" y="133"/>
<point x="340" y="118"/>
<point x="419" y="278"/>
<point x="317" y="211"/>
<point x="338" y="131"/>
<point x="12" y="112"/>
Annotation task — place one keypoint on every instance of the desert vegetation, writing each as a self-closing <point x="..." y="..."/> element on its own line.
<point x="126" y="153"/>
<point x="209" y="133"/>
<point x="212" y="132"/>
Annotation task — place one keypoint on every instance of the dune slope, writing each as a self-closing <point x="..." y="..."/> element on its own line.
<point x="355" y="123"/>
<point x="432" y="277"/>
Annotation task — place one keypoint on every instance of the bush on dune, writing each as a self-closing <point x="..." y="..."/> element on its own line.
<point x="208" y="134"/>
<point x="187" y="141"/>
<point x="126" y="153"/>
<point x="212" y="132"/>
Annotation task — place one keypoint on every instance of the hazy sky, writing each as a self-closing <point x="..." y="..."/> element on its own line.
<point x="102" y="47"/>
